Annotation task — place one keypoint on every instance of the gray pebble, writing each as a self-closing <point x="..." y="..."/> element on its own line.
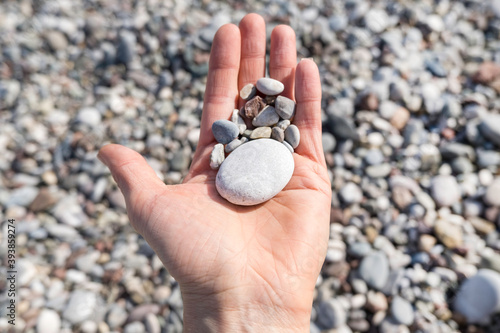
<point x="225" y="131"/>
<point x="402" y="311"/>
<point x="278" y="134"/>
<point x="342" y="128"/>
<point x="269" y="86"/>
<point x="492" y="195"/>
<point x="445" y="190"/>
<point x="374" y="157"/>
<point x="379" y="171"/>
<point x="232" y="145"/>
<point x="255" y="172"/>
<point x="116" y="316"/>
<point x="461" y="165"/>
<point x="486" y="158"/>
<point x="328" y="141"/>
<point x="81" y="306"/>
<point x="283" y="124"/>
<point x="331" y="314"/>
<point x="22" y="196"/>
<point x="359" y="249"/>
<point x="479" y="296"/>
<point x="266" y="117"/>
<point x="126" y="47"/>
<point x="350" y="193"/>
<point x="292" y="136"/>
<point x="285" y="107"/>
<point x="490" y="127"/>
<point x="374" y="270"/>
<point x="89" y="116"/>
<point x="217" y="156"/>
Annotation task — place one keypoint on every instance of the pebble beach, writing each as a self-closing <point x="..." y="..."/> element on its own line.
<point x="411" y="135"/>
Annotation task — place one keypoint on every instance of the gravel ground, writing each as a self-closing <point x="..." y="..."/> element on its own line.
<point x="411" y="100"/>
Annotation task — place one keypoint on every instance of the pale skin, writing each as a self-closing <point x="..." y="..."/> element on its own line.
<point x="239" y="268"/>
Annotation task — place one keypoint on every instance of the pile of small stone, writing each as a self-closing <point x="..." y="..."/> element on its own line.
<point x="260" y="118"/>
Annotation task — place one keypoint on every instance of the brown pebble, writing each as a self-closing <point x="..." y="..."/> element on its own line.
<point x="369" y="102"/>
<point x="44" y="200"/>
<point x="487" y="72"/>
<point x="400" y="118"/>
<point x="402" y="197"/>
<point x="254" y="106"/>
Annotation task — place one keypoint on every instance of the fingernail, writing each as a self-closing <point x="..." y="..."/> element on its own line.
<point x="99" y="156"/>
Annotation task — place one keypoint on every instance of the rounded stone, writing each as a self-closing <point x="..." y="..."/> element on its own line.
<point x="285" y="107"/>
<point x="48" y="321"/>
<point x="269" y="86"/>
<point x="248" y="91"/>
<point x="255" y="172"/>
<point x="266" y="117"/>
<point x="225" y="131"/>
<point x="278" y="134"/>
<point x="292" y="135"/>
<point x="445" y="190"/>
<point x="261" y="133"/>
<point x="374" y="270"/>
<point x="351" y="193"/>
<point x="402" y="311"/>
<point x="479" y="296"/>
<point x="491" y="196"/>
<point x="331" y="314"/>
<point x="232" y="145"/>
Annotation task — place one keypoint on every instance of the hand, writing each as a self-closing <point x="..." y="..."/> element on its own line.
<point x="239" y="268"/>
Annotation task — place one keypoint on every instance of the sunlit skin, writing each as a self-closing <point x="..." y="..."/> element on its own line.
<point x="239" y="268"/>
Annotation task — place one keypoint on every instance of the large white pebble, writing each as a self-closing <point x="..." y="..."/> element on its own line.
<point x="269" y="86"/>
<point x="255" y="172"/>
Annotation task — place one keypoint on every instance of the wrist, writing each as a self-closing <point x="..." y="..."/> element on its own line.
<point x="218" y="313"/>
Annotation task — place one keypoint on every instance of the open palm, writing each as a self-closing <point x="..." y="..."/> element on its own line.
<point x="265" y="257"/>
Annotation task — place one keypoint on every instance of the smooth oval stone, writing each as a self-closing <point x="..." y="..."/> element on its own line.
<point x="283" y="124"/>
<point x="292" y="135"/>
<point x="255" y="172"/>
<point x="225" y="131"/>
<point x="261" y="133"/>
<point x="479" y="296"/>
<point x="266" y="117"/>
<point x="232" y="145"/>
<point x="248" y="91"/>
<point x="217" y="156"/>
<point x="269" y="86"/>
<point x="402" y="311"/>
<point x="374" y="270"/>
<point x="285" y="107"/>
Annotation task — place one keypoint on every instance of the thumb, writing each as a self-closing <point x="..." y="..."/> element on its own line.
<point x="136" y="179"/>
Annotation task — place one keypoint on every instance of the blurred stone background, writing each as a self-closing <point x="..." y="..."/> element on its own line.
<point x="411" y="136"/>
